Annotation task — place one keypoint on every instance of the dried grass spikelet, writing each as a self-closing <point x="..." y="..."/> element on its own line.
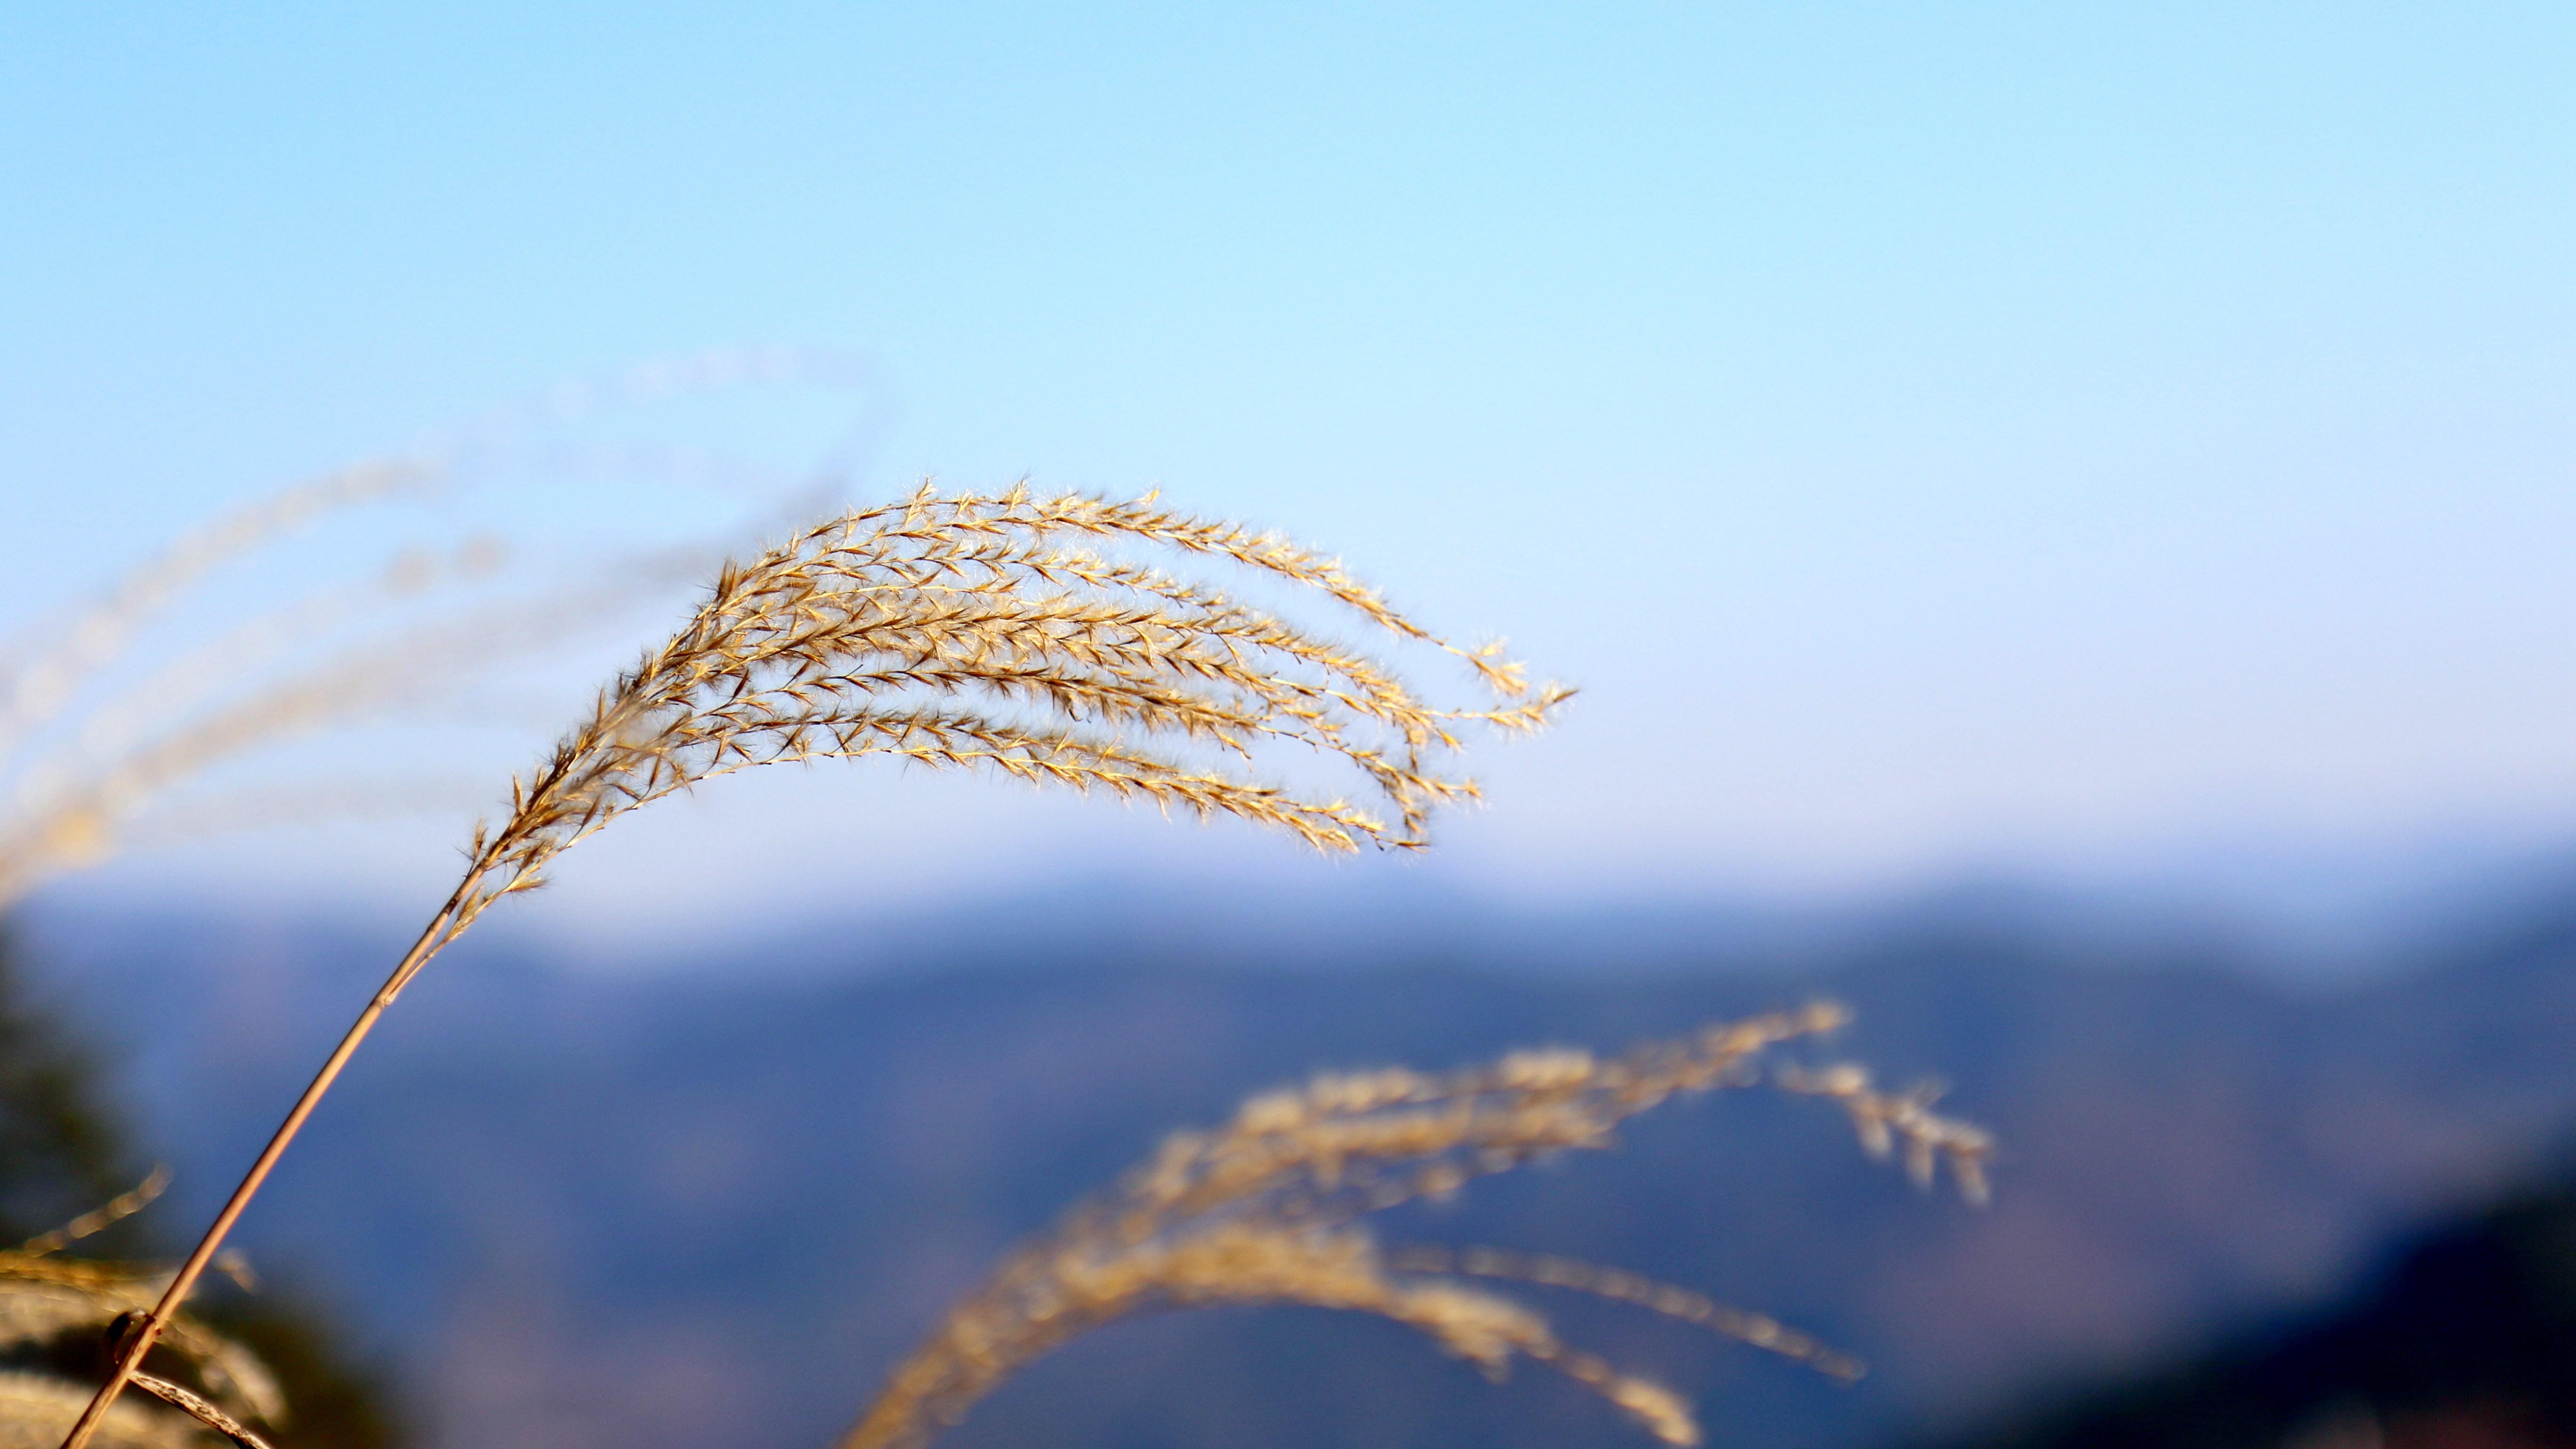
<point x="1886" y="1120"/>
<point x="1266" y="1209"/>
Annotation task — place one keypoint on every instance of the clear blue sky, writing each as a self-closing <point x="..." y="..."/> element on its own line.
<point x="1931" y="433"/>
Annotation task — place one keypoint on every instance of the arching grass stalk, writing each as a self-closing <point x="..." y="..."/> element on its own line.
<point x="1272" y="1207"/>
<point x="1006" y="633"/>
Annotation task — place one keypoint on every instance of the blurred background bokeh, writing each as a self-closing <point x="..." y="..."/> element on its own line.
<point x="2059" y="517"/>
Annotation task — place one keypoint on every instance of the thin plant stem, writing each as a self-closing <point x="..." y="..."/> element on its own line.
<point x="139" y="1338"/>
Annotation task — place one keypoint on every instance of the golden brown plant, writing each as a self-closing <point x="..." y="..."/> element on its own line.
<point x="89" y="740"/>
<point x="1265" y="1210"/>
<point x="986" y="632"/>
<point x="63" y="804"/>
<point x="41" y="686"/>
<point x="141" y="748"/>
<point x="1009" y="633"/>
<point x="48" y="1302"/>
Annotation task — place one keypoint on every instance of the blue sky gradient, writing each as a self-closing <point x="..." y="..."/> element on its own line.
<point x="1937" y="437"/>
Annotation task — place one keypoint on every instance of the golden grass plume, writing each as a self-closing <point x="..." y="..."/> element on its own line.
<point x="991" y="632"/>
<point x="1266" y="1210"/>
<point x="1010" y="633"/>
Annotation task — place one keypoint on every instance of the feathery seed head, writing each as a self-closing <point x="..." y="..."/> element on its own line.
<point x="989" y="632"/>
<point x="1267" y="1209"/>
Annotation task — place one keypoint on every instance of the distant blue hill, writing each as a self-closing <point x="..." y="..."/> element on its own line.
<point x="2466" y="1341"/>
<point x="583" y="1210"/>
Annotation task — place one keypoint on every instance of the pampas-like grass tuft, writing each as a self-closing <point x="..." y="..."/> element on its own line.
<point x="1266" y="1210"/>
<point x="1006" y="633"/>
<point x="64" y="811"/>
<point x="978" y="632"/>
<point x="100" y="725"/>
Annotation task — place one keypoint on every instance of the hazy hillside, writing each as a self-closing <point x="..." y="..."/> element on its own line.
<point x="2466" y="1340"/>
<point x="712" y="1209"/>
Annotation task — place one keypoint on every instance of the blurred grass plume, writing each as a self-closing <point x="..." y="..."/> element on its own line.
<point x="1266" y="1210"/>
<point x="55" y="1314"/>
<point x="104" y="719"/>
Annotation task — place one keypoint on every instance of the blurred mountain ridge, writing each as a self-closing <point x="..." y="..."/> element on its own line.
<point x="590" y="1208"/>
<point x="2464" y="1338"/>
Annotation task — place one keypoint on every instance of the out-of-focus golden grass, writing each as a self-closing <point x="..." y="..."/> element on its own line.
<point x="1267" y="1209"/>
<point x="106" y="722"/>
<point x="52" y="1306"/>
<point x="65" y="804"/>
